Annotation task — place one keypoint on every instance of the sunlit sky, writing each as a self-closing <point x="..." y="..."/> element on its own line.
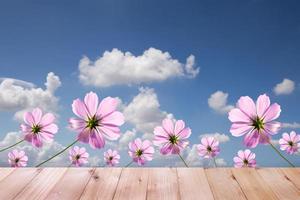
<point x="190" y="60"/>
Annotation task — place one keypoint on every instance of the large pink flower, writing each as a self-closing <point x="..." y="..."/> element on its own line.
<point x="141" y="151"/>
<point x="38" y="127"/>
<point x="111" y="157"/>
<point x="209" y="147"/>
<point x="290" y="142"/>
<point x="17" y="158"/>
<point x="78" y="156"/>
<point x="172" y="138"/>
<point x="96" y="121"/>
<point x="244" y="159"/>
<point x="256" y="121"/>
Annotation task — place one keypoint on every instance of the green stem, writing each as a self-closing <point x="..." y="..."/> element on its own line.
<point x="128" y="164"/>
<point x="278" y="152"/>
<point x="183" y="160"/>
<point x="60" y="152"/>
<point x="214" y="159"/>
<point x="12" y="145"/>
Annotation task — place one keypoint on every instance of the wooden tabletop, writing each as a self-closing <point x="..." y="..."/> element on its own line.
<point x="149" y="183"/>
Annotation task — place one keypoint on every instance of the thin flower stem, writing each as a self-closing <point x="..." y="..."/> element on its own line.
<point x="278" y="152"/>
<point x="57" y="154"/>
<point x="214" y="159"/>
<point x="183" y="160"/>
<point x="12" y="145"/>
<point x="128" y="164"/>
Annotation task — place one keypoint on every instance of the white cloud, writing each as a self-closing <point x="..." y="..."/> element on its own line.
<point x="287" y="86"/>
<point x="218" y="102"/>
<point x="38" y="155"/>
<point x="127" y="137"/>
<point x="193" y="159"/>
<point x="222" y="138"/>
<point x="19" y="96"/>
<point x="221" y="162"/>
<point x="293" y="125"/>
<point x="117" y="68"/>
<point x="144" y="111"/>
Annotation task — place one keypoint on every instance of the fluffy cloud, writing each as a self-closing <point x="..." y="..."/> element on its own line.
<point x="127" y="137"/>
<point x="218" y="102"/>
<point x="144" y="111"/>
<point x="222" y="138"/>
<point x="37" y="155"/>
<point x="116" y="68"/>
<point x="287" y="86"/>
<point x="290" y="125"/>
<point x="19" y="96"/>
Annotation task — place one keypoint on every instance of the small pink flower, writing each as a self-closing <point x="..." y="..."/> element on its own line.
<point x="38" y="127"/>
<point x="256" y="121"/>
<point x="96" y="121"/>
<point x="111" y="157"/>
<point x="209" y="147"/>
<point x="290" y="142"/>
<point x="17" y="158"/>
<point x="78" y="156"/>
<point x="244" y="159"/>
<point x="141" y="151"/>
<point x="172" y="138"/>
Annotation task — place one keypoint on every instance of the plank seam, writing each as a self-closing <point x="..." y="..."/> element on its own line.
<point x="288" y="178"/>
<point x="209" y="184"/>
<point x="233" y="176"/>
<point x="178" y="188"/>
<point x="118" y="183"/>
<point x="93" y="171"/>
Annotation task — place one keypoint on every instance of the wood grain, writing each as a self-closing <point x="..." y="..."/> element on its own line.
<point x="162" y="184"/>
<point x="132" y="184"/>
<point x="149" y="183"/>
<point x="223" y="184"/>
<point x="193" y="184"/>
<point x="72" y="184"/>
<point x="103" y="184"/>
<point x="283" y="188"/>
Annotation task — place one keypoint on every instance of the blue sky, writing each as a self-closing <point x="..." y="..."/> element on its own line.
<point x="241" y="47"/>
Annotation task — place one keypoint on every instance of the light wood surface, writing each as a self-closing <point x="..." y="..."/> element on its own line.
<point x="149" y="183"/>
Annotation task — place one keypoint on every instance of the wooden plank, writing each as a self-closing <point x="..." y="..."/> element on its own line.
<point x="292" y="175"/>
<point x="72" y="184"/>
<point x="4" y="172"/>
<point x="193" y="184"/>
<point x="16" y="181"/>
<point x="103" y="184"/>
<point x="42" y="184"/>
<point x="132" y="184"/>
<point x="162" y="184"/>
<point x="283" y="188"/>
<point x="223" y="184"/>
<point x="253" y="186"/>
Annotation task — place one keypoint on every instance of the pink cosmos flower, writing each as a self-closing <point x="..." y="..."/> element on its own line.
<point x="111" y="157"/>
<point x="209" y="147"/>
<point x="256" y="121"/>
<point x="244" y="159"/>
<point x="290" y="142"/>
<point x="172" y="138"/>
<point x="141" y="151"/>
<point x="78" y="156"/>
<point x="96" y="121"/>
<point x="38" y="127"/>
<point x="17" y="158"/>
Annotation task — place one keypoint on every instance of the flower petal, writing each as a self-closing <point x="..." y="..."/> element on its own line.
<point x="80" y="109"/>
<point x="168" y="125"/>
<point x="262" y="104"/>
<point x="115" y="118"/>
<point x="272" y="113"/>
<point x="91" y="102"/>
<point x="246" y="104"/>
<point x="107" y="106"/>
<point x="236" y="115"/>
<point x="251" y="139"/>
<point x="179" y="126"/>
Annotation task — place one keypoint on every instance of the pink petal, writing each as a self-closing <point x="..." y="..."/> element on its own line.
<point x="272" y="127"/>
<point x="185" y="133"/>
<point x="51" y="128"/>
<point x="264" y="138"/>
<point x="272" y="113"/>
<point x="80" y="109"/>
<point x="107" y="106"/>
<point x="29" y="119"/>
<point x="166" y="149"/>
<point x="91" y="102"/>
<point x="37" y="115"/>
<point x="251" y="139"/>
<point x="115" y="118"/>
<point x="236" y="115"/>
<point x="239" y="129"/>
<point x="84" y="135"/>
<point x="168" y="125"/>
<point x="241" y="155"/>
<point x="111" y="133"/>
<point x="246" y="104"/>
<point x="262" y="104"/>
<point x="96" y="140"/>
<point x="179" y="126"/>
<point x="47" y="119"/>
<point x="77" y="124"/>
